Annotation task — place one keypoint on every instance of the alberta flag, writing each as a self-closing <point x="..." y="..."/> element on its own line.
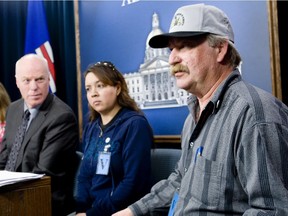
<point x="37" y="36"/>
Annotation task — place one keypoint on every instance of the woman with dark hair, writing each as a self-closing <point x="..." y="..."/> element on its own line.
<point x="115" y="168"/>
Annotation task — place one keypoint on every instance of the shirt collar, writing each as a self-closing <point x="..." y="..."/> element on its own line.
<point x="33" y="111"/>
<point x="218" y="96"/>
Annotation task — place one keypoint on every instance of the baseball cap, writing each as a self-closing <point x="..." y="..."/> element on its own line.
<point x="192" y="20"/>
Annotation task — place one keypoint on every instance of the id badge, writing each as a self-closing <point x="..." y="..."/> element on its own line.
<point x="103" y="163"/>
<point x="173" y="204"/>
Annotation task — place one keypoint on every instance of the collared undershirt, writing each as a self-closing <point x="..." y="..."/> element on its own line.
<point x="33" y="112"/>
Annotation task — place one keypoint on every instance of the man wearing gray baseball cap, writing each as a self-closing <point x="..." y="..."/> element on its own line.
<point x="235" y="139"/>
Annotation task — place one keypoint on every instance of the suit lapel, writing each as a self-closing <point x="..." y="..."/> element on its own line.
<point x="35" y="124"/>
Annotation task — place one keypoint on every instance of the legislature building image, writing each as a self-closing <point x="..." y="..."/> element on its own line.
<point x="153" y="86"/>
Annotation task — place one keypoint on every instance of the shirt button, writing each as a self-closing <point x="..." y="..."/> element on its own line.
<point x="185" y="170"/>
<point x="191" y="144"/>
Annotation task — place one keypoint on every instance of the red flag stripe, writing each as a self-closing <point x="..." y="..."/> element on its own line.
<point x="50" y="63"/>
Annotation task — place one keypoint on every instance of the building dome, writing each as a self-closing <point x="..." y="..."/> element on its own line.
<point x="151" y="53"/>
<point x="152" y="86"/>
<point x="155" y="29"/>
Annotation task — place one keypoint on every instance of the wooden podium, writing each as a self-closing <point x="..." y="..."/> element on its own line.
<point x="28" y="198"/>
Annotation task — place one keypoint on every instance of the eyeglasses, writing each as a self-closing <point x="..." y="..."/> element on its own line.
<point x="105" y="64"/>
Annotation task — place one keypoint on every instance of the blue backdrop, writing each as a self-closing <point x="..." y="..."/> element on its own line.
<point x="110" y="31"/>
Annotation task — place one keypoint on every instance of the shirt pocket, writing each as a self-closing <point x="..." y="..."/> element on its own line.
<point x="206" y="184"/>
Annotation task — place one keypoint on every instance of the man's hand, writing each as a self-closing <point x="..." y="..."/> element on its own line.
<point x="125" y="212"/>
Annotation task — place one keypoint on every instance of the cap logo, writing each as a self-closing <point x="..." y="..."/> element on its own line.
<point x="178" y="20"/>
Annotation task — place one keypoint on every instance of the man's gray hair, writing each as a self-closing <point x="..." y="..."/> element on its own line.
<point x="232" y="57"/>
<point x="31" y="56"/>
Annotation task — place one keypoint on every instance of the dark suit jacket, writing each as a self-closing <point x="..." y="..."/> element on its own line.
<point x="48" y="147"/>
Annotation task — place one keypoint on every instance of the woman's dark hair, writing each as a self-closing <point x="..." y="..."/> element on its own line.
<point x="109" y="75"/>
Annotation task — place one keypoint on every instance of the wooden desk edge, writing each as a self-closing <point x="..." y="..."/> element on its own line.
<point x="45" y="180"/>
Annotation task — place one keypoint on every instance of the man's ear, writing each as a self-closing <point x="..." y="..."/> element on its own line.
<point x="222" y="51"/>
<point x="16" y="82"/>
